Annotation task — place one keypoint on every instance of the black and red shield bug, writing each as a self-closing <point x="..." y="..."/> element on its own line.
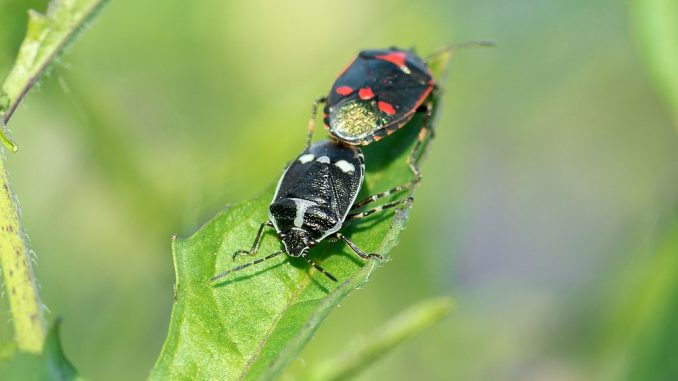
<point x="378" y="93"/>
<point x="315" y="196"/>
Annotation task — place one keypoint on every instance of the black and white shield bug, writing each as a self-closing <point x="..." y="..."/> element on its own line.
<point x="314" y="197"/>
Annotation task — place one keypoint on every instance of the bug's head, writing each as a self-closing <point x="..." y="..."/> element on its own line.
<point x="296" y="242"/>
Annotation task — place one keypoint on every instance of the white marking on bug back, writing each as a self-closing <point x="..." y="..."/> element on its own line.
<point x="303" y="159"/>
<point x="345" y="166"/>
<point x="323" y="159"/>
<point x="302" y="205"/>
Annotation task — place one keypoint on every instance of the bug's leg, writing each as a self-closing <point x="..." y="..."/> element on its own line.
<point x="311" y="122"/>
<point x="246" y="265"/>
<point x="388" y="205"/>
<point x="322" y="270"/>
<point x="356" y="249"/>
<point x="381" y="195"/>
<point x="424" y="133"/>
<point x="255" y="244"/>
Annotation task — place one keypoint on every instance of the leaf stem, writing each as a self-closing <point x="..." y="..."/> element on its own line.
<point x="15" y="260"/>
<point x="403" y="327"/>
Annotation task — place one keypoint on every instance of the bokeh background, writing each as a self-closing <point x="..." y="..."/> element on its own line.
<point x="547" y="209"/>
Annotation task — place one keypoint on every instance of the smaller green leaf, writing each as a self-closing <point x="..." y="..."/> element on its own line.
<point x="396" y="331"/>
<point x="50" y="365"/>
<point x="656" y="23"/>
<point x="641" y="333"/>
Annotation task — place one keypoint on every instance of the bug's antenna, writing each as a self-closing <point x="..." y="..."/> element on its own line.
<point x="460" y="45"/>
<point x="322" y="270"/>
<point x="246" y="265"/>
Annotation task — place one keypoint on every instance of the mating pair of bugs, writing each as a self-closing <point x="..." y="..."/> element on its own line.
<point x="377" y="93"/>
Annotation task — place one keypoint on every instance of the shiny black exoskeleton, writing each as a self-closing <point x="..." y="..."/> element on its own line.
<point x="314" y="197"/>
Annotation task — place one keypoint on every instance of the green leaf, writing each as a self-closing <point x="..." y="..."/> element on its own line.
<point x="656" y="23"/>
<point x="50" y="365"/>
<point x="46" y="37"/>
<point x="254" y="323"/>
<point x="365" y="352"/>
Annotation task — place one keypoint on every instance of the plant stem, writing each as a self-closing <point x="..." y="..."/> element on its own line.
<point x="46" y="37"/>
<point x="15" y="260"/>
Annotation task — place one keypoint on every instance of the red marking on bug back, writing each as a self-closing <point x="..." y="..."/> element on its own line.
<point x="365" y="93"/>
<point x="396" y="58"/>
<point x="386" y="108"/>
<point x="344" y="90"/>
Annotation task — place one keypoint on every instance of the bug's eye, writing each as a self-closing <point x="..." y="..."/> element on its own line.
<point x="312" y="243"/>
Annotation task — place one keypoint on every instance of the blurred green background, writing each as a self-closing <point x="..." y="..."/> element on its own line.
<point x="548" y="206"/>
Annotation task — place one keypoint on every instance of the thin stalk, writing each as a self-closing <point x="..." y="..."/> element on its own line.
<point x="20" y="286"/>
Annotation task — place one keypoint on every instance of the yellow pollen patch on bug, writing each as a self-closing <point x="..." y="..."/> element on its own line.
<point x="354" y="120"/>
